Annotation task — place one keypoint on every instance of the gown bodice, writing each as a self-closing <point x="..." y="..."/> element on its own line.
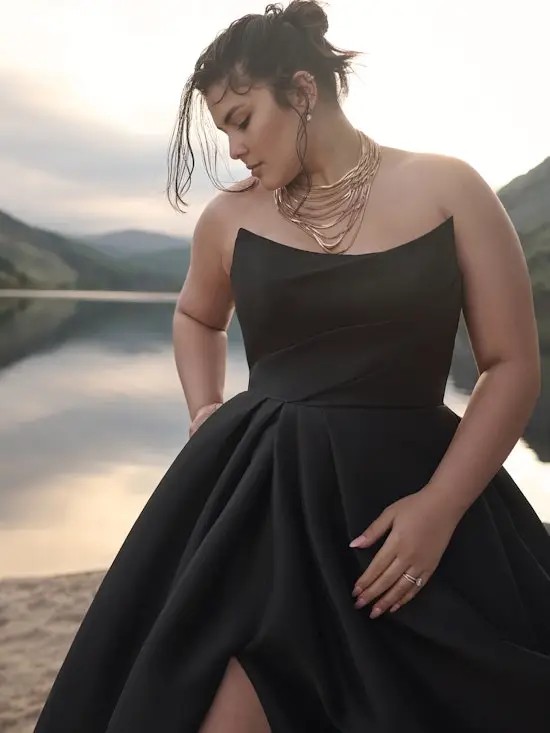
<point x="375" y="328"/>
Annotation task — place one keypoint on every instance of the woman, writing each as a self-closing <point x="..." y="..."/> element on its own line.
<point x="334" y="549"/>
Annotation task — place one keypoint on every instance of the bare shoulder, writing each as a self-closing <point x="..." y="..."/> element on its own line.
<point x="246" y="189"/>
<point x="458" y="189"/>
<point x="206" y="294"/>
<point x="221" y="207"/>
<point x="451" y="177"/>
<point x="478" y="213"/>
<point x="425" y="165"/>
<point x="497" y="302"/>
<point x="418" y="178"/>
<point x="223" y="214"/>
<point x="483" y="228"/>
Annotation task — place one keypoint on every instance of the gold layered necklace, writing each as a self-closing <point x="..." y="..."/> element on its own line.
<point x="337" y="204"/>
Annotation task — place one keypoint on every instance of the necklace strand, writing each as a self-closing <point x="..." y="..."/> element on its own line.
<point x="326" y="206"/>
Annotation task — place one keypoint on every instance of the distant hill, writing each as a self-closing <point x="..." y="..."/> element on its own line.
<point x="163" y="261"/>
<point x="134" y="241"/>
<point x="527" y="198"/>
<point x="527" y="201"/>
<point x="151" y="252"/>
<point x="31" y="257"/>
<point x="145" y="260"/>
<point x="536" y="246"/>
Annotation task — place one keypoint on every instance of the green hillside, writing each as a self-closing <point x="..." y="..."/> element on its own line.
<point x="139" y="260"/>
<point x="164" y="262"/>
<point x="536" y="245"/>
<point x="36" y="258"/>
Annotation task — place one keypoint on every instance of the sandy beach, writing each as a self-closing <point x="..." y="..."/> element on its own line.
<point x="38" y="620"/>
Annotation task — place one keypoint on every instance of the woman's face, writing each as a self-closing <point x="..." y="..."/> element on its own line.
<point x="259" y="132"/>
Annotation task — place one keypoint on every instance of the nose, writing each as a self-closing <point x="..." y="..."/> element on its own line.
<point x="236" y="149"/>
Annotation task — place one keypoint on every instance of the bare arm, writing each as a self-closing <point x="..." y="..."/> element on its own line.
<point x="499" y="313"/>
<point x="203" y="312"/>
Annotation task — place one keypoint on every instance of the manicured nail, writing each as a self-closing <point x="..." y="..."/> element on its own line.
<point x="394" y="607"/>
<point x="375" y="612"/>
<point x="360" y="603"/>
<point x="357" y="542"/>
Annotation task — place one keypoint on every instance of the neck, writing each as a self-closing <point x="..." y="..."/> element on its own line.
<point x="333" y="149"/>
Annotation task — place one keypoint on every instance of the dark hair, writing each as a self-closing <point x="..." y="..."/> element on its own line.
<point x="266" y="48"/>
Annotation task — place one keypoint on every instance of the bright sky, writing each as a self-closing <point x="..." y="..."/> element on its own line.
<point x="89" y="92"/>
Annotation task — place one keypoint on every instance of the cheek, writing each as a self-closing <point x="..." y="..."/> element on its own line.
<point x="281" y="152"/>
<point x="279" y="137"/>
<point x="276" y="145"/>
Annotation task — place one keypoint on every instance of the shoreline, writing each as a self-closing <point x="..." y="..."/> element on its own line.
<point x="141" y="296"/>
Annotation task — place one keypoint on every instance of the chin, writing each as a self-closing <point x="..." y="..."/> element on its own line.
<point x="267" y="185"/>
<point x="266" y="182"/>
<point x="270" y="183"/>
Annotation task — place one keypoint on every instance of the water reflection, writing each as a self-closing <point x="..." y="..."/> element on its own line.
<point x="28" y="326"/>
<point x="93" y="415"/>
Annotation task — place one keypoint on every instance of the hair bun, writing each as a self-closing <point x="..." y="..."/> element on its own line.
<point x="305" y="15"/>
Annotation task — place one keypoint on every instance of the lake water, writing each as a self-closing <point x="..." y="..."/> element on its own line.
<point x="92" y="415"/>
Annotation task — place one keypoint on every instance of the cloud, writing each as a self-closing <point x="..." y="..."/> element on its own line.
<point x="72" y="147"/>
<point x="62" y="169"/>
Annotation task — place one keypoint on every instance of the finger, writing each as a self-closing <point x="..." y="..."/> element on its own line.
<point x="412" y="593"/>
<point x="391" y="575"/>
<point x="375" y="530"/>
<point x="397" y="593"/>
<point x="380" y="562"/>
<point x="406" y="598"/>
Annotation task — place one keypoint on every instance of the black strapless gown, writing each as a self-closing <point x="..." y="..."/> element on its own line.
<point x="242" y="550"/>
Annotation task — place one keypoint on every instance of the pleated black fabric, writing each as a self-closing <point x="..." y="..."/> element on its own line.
<point x="242" y="550"/>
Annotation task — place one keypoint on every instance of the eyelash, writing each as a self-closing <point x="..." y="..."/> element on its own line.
<point x="244" y="124"/>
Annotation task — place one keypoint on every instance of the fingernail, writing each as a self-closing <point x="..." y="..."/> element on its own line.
<point x="360" y="603"/>
<point x="375" y="612"/>
<point x="394" y="607"/>
<point x="357" y="542"/>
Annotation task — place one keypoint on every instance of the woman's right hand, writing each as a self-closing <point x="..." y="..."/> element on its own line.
<point x="203" y="414"/>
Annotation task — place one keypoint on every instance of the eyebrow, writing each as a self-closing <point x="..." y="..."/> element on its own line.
<point x="229" y="113"/>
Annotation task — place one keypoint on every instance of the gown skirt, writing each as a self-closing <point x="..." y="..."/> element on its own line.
<point x="243" y="548"/>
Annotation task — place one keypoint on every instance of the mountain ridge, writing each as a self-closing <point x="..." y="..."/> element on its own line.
<point x="134" y="259"/>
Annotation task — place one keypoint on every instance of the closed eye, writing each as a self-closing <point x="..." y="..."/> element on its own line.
<point x="244" y="124"/>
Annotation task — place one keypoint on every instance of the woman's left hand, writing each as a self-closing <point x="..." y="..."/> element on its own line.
<point x="420" y="532"/>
